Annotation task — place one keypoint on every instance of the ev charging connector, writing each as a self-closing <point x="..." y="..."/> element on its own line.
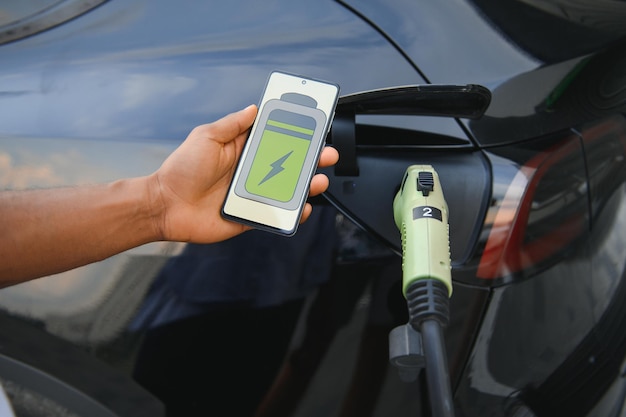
<point x="421" y="214"/>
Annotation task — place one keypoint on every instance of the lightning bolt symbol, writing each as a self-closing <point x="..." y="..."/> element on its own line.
<point x="277" y="166"/>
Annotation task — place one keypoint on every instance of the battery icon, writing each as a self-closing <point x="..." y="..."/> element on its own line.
<point x="280" y="157"/>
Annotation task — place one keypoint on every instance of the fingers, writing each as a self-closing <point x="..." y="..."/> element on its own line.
<point x="319" y="184"/>
<point x="306" y="212"/>
<point x="329" y="157"/>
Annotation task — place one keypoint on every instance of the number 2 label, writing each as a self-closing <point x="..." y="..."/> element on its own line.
<point x="427" y="212"/>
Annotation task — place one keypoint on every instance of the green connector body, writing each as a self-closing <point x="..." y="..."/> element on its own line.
<point x="421" y="214"/>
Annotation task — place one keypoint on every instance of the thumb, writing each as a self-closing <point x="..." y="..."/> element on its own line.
<point x="232" y="125"/>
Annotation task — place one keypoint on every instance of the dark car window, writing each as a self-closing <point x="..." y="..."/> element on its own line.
<point x="19" y="18"/>
<point x="555" y="31"/>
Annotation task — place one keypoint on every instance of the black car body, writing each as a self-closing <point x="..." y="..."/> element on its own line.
<point x="264" y="325"/>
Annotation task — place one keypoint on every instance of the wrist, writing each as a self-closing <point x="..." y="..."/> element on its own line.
<point x="155" y="207"/>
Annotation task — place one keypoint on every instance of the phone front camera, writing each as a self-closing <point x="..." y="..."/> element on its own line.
<point x="303" y="82"/>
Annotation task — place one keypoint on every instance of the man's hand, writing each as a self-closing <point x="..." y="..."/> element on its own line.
<point x="192" y="183"/>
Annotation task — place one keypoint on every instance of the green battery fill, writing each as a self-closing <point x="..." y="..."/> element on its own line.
<point x="278" y="162"/>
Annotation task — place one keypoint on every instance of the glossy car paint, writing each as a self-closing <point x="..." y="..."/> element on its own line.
<point x="110" y="93"/>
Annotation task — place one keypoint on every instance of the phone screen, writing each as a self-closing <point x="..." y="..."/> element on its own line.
<point x="272" y="180"/>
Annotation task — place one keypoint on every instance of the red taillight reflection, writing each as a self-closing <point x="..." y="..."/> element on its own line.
<point x="542" y="212"/>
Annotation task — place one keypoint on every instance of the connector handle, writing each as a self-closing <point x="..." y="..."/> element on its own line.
<point x="421" y="215"/>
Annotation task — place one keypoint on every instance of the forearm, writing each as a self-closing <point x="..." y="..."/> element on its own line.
<point x="43" y="232"/>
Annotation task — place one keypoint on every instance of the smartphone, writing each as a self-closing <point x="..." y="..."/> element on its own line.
<point x="271" y="183"/>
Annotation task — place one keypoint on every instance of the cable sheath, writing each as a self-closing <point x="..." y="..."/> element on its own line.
<point x="437" y="373"/>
